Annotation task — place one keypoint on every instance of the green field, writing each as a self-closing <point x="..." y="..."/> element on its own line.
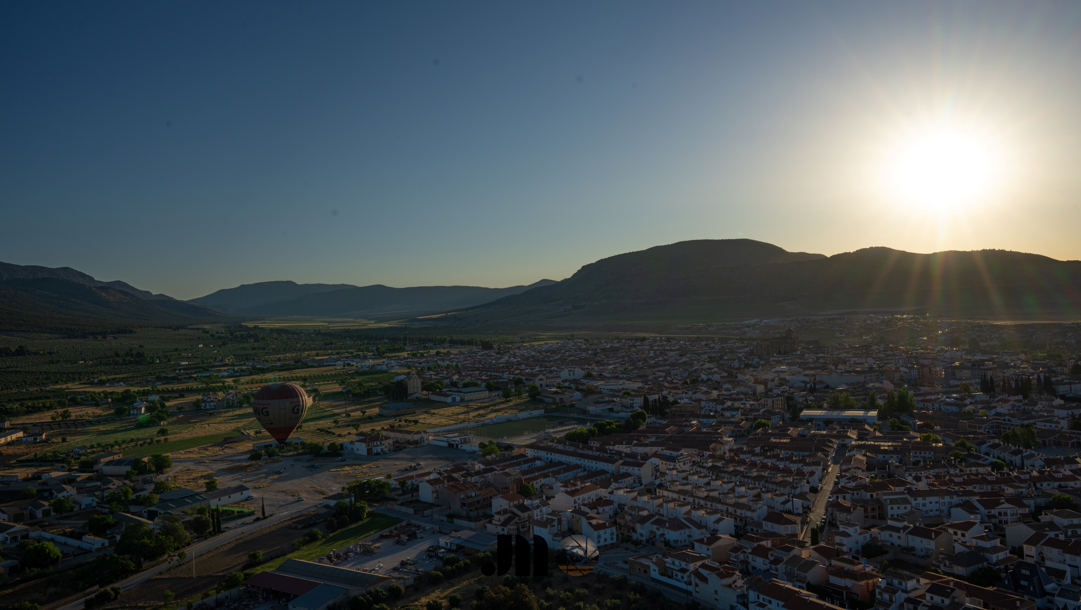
<point x="342" y="538"/>
<point x="187" y="443"/>
<point x="522" y="426"/>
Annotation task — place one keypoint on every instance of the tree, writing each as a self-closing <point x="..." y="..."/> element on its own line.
<point x="40" y="554"/>
<point x="163" y="432"/>
<point x="871" y="403"/>
<point x="200" y="525"/>
<point x="29" y="493"/>
<point x="872" y="549"/>
<point x="998" y="465"/>
<point x="520" y="597"/>
<point x="62" y="505"/>
<point x="1023" y="436"/>
<point x="533" y="391"/>
<point x="527" y="490"/>
<point x="897" y="425"/>
<point x="176" y="532"/>
<point x="928" y="437"/>
<point x="963" y="444"/>
<point x="255" y="456"/>
<point x="1063" y="502"/>
<point x="230" y="582"/>
<point x="890" y="406"/>
<point x="841" y="401"/>
<point x="985" y="577"/>
<point x="370" y="489"/>
<point x="211" y="484"/>
<point x="578" y="435"/>
<point x="159" y="463"/>
<point x="956" y="456"/>
<point x="762" y="423"/>
<point x="489" y="449"/>
<point x="815" y="535"/>
<point x="906" y="401"/>
<point x="140" y="541"/>
<point x="255" y="557"/>
<point x="99" y="525"/>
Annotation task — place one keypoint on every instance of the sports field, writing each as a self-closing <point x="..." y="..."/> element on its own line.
<point x="523" y="426"/>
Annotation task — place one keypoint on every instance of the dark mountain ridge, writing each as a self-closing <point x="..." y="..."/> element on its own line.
<point x="285" y="298"/>
<point x="58" y="305"/>
<point x="9" y="271"/>
<point x="743" y="279"/>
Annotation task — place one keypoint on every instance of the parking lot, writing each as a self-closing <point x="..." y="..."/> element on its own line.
<point x="390" y="554"/>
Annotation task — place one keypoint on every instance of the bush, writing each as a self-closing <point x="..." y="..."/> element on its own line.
<point x="435" y="577"/>
<point x="395" y="591"/>
<point x="455" y="600"/>
<point x="872" y="549"/>
<point x="481" y="591"/>
<point x="313" y="535"/>
<point x="255" y="557"/>
<point x="581" y="593"/>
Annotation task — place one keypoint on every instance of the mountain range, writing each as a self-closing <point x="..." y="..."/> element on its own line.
<point x="727" y="280"/>
<point x="686" y="282"/>
<point x="378" y="302"/>
<point x="63" y="300"/>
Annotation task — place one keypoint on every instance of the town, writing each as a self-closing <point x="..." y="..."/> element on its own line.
<point x="763" y="471"/>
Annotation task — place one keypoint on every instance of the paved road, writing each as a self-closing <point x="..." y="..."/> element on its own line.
<point x="201" y="548"/>
<point x="818" y="509"/>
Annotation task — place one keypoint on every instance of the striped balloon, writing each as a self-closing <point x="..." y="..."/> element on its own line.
<point x="280" y="407"/>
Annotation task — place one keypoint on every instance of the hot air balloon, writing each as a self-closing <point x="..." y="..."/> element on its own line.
<point x="280" y="407"/>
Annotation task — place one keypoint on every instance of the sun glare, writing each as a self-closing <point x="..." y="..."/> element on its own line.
<point x="943" y="168"/>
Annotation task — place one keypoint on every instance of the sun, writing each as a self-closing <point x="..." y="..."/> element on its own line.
<point x="943" y="168"/>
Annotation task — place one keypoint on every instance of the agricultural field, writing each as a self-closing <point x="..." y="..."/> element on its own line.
<point x="203" y="434"/>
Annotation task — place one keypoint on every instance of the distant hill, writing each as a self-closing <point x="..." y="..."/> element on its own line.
<point x="284" y="298"/>
<point x="9" y="271"/>
<point x="716" y="280"/>
<point x="45" y="304"/>
<point x="247" y="297"/>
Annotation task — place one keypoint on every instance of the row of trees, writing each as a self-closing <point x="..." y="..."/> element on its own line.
<point x="606" y="427"/>
<point x="1023" y="436"/>
<point x="896" y="403"/>
<point x="347" y="512"/>
<point x="1019" y="385"/>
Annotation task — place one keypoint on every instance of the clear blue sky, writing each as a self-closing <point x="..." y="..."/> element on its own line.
<point x="187" y="147"/>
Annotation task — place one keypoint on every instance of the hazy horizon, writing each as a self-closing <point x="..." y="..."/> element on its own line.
<point x="189" y="148"/>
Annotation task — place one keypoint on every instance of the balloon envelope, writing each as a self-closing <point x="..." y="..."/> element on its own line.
<point x="280" y="407"/>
